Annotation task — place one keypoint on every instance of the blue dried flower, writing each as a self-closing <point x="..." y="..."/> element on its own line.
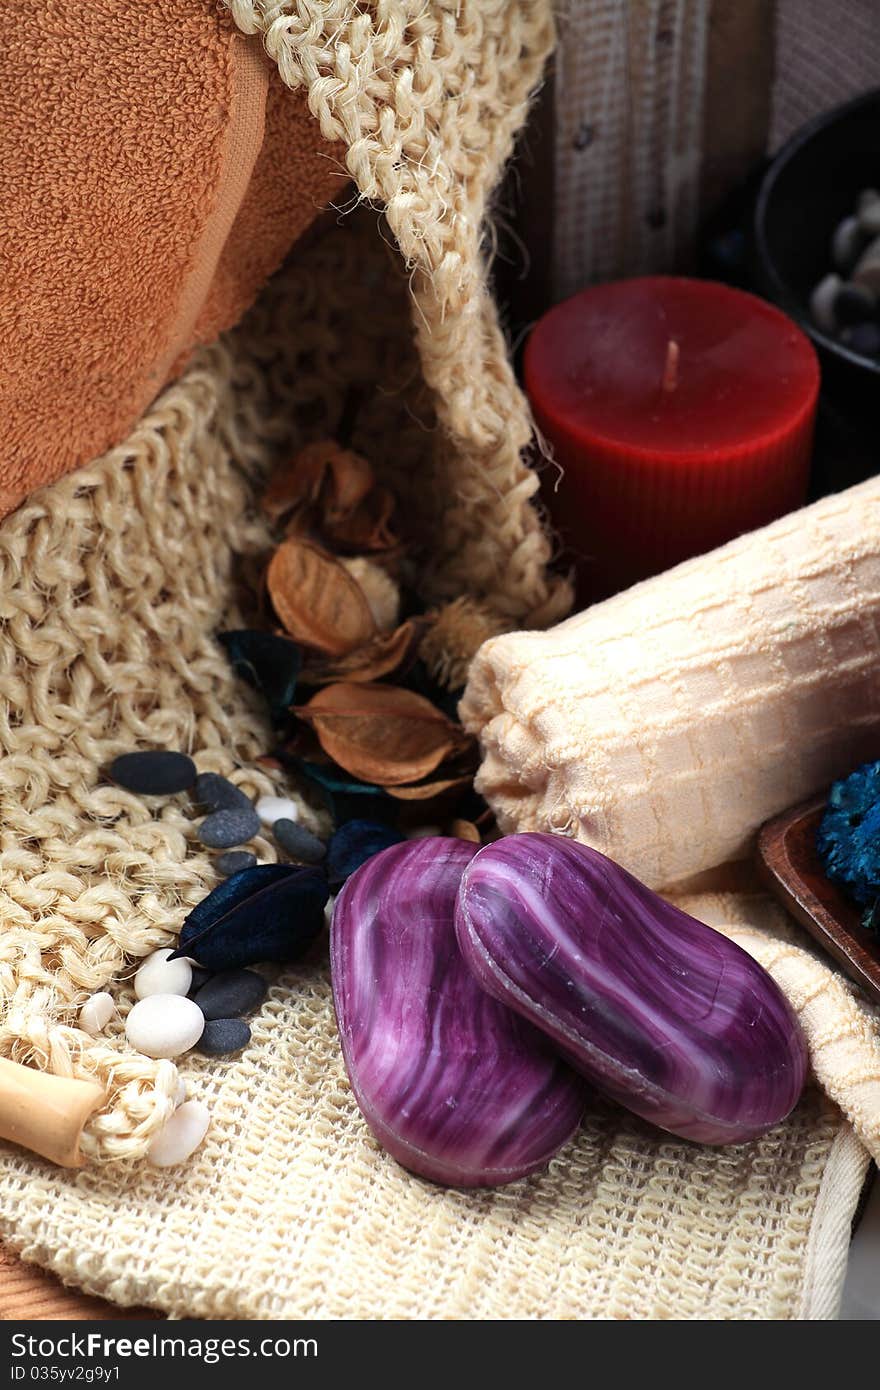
<point x="848" y="839"/>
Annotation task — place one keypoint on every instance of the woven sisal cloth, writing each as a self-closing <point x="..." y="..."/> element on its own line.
<point x="113" y="584"/>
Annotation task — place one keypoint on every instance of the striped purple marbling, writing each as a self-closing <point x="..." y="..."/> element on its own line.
<point x="454" y="1085"/>
<point x="659" y="1011"/>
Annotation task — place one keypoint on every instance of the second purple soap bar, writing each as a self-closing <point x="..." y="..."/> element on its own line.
<point x="658" y="1010"/>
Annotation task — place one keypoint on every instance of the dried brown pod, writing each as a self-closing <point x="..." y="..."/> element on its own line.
<point x="465" y="830"/>
<point x="382" y="734"/>
<point x="332" y="492"/>
<point x="366" y="528"/>
<point x="323" y="472"/>
<point x="317" y="600"/>
<point x="389" y="653"/>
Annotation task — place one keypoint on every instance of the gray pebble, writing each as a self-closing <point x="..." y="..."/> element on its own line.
<point x="224" y="829"/>
<point x="230" y="993"/>
<point x="846" y="244"/>
<point x="863" y="338"/>
<point x="200" y="976"/>
<point x="822" y="302"/>
<point x="233" y="861"/>
<point x="154" y="773"/>
<point x="854" y="304"/>
<point x="222" y="1035"/>
<point x="298" y="842"/>
<point x="219" y="794"/>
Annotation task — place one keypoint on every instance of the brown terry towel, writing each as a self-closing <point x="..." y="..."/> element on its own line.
<point x="153" y="174"/>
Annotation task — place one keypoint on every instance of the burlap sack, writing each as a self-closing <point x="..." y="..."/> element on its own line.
<point x="112" y="585"/>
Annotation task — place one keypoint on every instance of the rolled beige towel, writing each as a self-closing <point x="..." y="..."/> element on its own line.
<point x="665" y="725"/>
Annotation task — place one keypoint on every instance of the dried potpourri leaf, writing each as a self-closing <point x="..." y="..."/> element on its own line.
<point x="271" y="664"/>
<point x="322" y="472"/>
<point x="353" y="844"/>
<point x="317" y="600"/>
<point x="334" y="779"/>
<point x="345" y="798"/>
<point x="381" y="733"/>
<point x="366" y="528"/>
<point x="465" y="830"/>
<point x="271" y="912"/>
<point x="333" y="492"/>
<point x="388" y="653"/>
<point x="428" y="791"/>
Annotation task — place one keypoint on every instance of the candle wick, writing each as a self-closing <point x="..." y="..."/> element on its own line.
<point x="670" y="369"/>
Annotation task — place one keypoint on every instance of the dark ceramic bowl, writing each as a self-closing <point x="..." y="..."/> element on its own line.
<point x="810" y="186"/>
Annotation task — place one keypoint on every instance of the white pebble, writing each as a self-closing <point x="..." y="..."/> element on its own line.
<point x="869" y="212"/>
<point x="424" y="832"/>
<point x="96" y="1013"/>
<point x="846" y="244"/>
<point x="164" y="1025"/>
<point x="822" y="302"/>
<point x="159" y="975"/>
<point x="180" y="1096"/>
<point x="181" y="1136"/>
<point x="328" y="908"/>
<point x="273" y="808"/>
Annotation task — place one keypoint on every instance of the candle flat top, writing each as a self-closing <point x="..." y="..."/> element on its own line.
<point x="670" y="365"/>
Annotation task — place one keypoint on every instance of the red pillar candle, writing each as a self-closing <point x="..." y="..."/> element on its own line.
<point x="681" y="413"/>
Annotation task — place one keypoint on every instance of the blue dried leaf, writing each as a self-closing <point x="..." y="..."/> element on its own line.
<point x="848" y="839"/>
<point x="344" y="796"/>
<point x="269" y="663"/>
<point x="272" y="912"/>
<point x="333" y="780"/>
<point x="354" y="843"/>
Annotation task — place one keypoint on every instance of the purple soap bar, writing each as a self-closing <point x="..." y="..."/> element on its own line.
<point x="453" y="1084"/>
<point x="659" y="1011"/>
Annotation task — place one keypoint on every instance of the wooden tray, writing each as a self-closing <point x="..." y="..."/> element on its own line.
<point x="789" y="864"/>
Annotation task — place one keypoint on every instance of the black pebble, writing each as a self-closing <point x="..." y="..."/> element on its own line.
<point x="200" y="976"/>
<point x="219" y="794"/>
<point x="230" y="993"/>
<point x="233" y="861"/>
<point x="224" y="829"/>
<point x="298" y="842"/>
<point x="157" y="773"/>
<point x="222" y="1035"/>
<point x="854" y="304"/>
<point x="863" y="338"/>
